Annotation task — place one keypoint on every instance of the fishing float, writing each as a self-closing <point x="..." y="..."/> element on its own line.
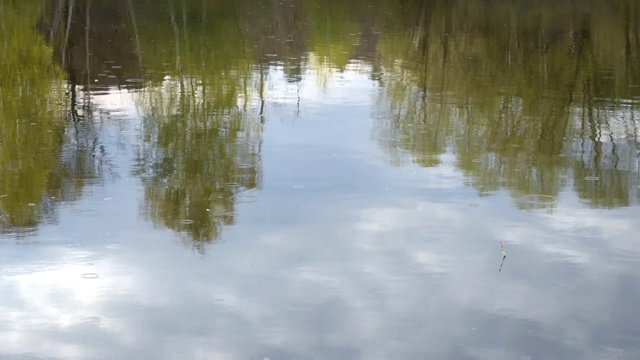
<point x="504" y="256"/>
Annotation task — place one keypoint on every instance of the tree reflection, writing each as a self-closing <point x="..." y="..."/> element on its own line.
<point x="45" y="159"/>
<point x="31" y="120"/>
<point x="526" y="97"/>
<point x="95" y="42"/>
<point x="194" y="162"/>
<point x="533" y="97"/>
<point x="200" y="149"/>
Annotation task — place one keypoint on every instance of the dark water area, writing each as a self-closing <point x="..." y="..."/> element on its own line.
<point x="306" y="179"/>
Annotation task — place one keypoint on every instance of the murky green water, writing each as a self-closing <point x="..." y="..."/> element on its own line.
<point x="307" y="179"/>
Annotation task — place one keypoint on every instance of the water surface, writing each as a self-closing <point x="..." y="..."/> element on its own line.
<point x="308" y="179"/>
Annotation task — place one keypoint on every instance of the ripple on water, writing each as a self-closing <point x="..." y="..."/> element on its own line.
<point x="539" y="199"/>
<point x="186" y="221"/>
<point x="591" y="178"/>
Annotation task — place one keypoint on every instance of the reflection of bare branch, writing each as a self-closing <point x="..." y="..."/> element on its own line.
<point x="261" y="90"/>
<point x="176" y="35"/>
<point x="135" y="32"/>
<point x="2" y="28"/>
<point x="66" y="35"/>
<point x="87" y="50"/>
<point x="56" y="20"/>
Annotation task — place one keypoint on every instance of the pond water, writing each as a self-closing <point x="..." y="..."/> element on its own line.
<point x="309" y="179"/>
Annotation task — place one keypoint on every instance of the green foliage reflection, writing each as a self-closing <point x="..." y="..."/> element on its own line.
<point x="31" y="118"/>
<point x="522" y="94"/>
<point x="199" y="148"/>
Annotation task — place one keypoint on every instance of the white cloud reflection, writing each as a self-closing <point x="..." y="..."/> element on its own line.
<point x="415" y="278"/>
